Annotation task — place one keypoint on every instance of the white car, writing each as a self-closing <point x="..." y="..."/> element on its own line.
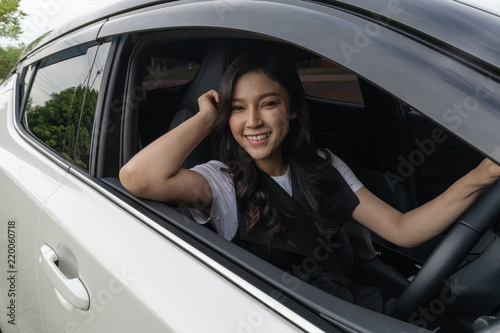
<point x="406" y="92"/>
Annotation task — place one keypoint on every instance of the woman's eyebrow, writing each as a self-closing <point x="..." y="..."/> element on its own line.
<point x="236" y="99"/>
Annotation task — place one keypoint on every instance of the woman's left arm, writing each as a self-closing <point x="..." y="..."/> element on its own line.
<point x="425" y="222"/>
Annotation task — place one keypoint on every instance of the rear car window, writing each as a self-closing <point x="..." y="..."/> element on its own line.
<point x="326" y="79"/>
<point x="59" y="102"/>
<point x="166" y="72"/>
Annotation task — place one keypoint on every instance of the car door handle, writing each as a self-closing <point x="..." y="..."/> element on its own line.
<point x="72" y="290"/>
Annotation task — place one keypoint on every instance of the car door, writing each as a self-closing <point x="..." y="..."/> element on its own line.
<point x="104" y="266"/>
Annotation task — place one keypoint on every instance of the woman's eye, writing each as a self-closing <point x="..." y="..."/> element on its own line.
<point x="270" y="104"/>
<point x="237" y="108"/>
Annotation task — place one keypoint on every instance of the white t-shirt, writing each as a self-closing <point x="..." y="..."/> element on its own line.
<point x="224" y="213"/>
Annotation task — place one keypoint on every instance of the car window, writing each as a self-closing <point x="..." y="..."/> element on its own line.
<point x="84" y="139"/>
<point x="164" y="72"/>
<point x="55" y="101"/>
<point x="326" y="79"/>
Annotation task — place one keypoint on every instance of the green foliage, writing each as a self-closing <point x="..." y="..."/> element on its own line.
<point x="10" y="16"/>
<point x="56" y="122"/>
<point x="8" y="58"/>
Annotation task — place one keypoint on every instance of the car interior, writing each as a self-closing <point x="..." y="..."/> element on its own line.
<point x="157" y="81"/>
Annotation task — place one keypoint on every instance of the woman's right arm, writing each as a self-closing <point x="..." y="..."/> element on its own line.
<point x="155" y="172"/>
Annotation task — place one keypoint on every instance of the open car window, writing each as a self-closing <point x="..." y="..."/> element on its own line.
<point x="163" y="95"/>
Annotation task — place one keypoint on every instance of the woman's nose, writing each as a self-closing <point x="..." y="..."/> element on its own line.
<point x="253" y="118"/>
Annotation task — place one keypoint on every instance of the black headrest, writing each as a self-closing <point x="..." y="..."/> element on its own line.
<point x="208" y="76"/>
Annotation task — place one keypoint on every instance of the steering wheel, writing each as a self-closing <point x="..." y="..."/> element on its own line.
<point x="443" y="262"/>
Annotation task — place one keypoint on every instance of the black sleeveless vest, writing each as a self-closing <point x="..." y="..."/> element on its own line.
<point x="324" y="263"/>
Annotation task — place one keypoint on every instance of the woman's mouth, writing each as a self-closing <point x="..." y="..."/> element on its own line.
<point x="257" y="139"/>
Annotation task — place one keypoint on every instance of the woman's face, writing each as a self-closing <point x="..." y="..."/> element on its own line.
<point x="260" y="119"/>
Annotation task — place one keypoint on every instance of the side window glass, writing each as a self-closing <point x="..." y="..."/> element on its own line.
<point x="83" y="146"/>
<point x="326" y="79"/>
<point x="55" y="102"/>
<point x="166" y="72"/>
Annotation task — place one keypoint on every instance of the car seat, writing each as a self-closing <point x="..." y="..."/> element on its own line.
<point x="208" y="76"/>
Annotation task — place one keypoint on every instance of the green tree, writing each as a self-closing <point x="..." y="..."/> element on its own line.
<point x="8" y="58"/>
<point x="86" y="126"/>
<point x="10" y="15"/>
<point x="55" y="122"/>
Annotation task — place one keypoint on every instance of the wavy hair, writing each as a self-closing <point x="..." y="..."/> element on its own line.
<point x="255" y="204"/>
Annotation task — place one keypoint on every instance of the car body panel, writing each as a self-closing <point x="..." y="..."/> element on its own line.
<point x="28" y="178"/>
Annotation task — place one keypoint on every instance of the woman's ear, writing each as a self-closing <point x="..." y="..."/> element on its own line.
<point x="293" y="116"/>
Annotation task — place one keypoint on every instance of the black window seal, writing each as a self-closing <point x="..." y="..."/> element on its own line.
<point x="23" y="92"/>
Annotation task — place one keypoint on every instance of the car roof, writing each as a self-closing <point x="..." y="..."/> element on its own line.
<point x="462" y="28"/>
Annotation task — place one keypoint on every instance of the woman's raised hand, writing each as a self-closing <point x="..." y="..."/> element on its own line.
<point x="208" y="105"/>
<point x="155" y="172"/>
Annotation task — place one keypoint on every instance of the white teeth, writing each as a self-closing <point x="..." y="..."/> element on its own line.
<point x="257" y="137"/>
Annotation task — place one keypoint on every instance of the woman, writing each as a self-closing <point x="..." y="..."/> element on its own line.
<point x="261" y="124"/>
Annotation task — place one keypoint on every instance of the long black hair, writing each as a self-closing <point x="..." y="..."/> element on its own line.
<point x="255" y="204"/>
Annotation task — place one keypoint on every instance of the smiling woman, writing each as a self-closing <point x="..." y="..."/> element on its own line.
<point x="261" y="123"/>
<point x="260" y="119"/>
